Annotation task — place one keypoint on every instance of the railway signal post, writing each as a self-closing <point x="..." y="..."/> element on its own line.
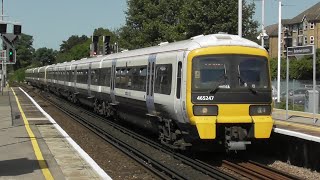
<point x="8" y="54"/>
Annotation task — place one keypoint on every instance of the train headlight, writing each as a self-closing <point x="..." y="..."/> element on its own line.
<point x="199" y="110"/>
<point x="260" y="110"/>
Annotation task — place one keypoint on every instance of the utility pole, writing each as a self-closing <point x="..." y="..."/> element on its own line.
<point x="3" y="72"/>
<point x="8" y="40"/>
<point x="240" y="18"/>
<point x="262" y="25"/>
<point x="279" y="51"/>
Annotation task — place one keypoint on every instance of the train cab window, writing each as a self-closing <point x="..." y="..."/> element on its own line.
<point x="253" y="73"/>
<point x="163" y="79"/>
<point x="209" y="73"/>
<point x="223" y="72"/>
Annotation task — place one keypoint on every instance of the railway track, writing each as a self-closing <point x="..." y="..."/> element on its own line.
<point x="254" y="170"/>
<point x="201" y="170"/>
<point x="179" y="167"/>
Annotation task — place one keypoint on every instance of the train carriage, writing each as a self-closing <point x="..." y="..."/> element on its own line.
<point x="212" y="89"/>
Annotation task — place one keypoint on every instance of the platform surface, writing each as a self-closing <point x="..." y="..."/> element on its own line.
<point x="299" y="124"/>
<point x="45" y="153"/>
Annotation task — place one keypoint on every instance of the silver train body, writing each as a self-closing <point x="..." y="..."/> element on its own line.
<point x="154" y="89"/>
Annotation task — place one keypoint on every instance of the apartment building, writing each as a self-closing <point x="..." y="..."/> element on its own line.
<point x="303" y="29"/>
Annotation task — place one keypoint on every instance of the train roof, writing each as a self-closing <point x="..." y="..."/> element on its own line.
<point x="196" y="42"/>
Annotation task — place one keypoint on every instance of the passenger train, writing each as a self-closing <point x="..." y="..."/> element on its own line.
<point x="207" y="90"/>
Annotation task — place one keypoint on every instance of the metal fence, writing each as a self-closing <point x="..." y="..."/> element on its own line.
<point x="299" y="95"/>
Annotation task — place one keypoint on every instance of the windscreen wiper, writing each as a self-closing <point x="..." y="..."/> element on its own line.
<point x="221" y="79"/>
<point x="247" y="85"/>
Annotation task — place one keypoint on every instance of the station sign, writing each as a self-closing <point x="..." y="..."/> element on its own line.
<point x="300" y="50"/>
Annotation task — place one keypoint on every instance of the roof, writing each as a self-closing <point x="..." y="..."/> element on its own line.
<point x="312" y="14"/>
<point x="272" y="30"/>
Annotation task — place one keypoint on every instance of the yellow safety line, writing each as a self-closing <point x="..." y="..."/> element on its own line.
<point x="44" y="168"/>
<point x="293" y="124"/>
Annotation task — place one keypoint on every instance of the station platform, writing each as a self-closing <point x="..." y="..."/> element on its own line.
<point x="33" y="145"/>
<point x="298" y="124"/>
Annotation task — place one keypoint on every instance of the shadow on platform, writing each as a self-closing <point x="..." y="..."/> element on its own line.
<point x="15" y="167"/>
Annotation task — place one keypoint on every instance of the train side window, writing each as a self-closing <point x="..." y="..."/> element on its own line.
<point x="86" y="77"/>
<point x="124" y="79"/>
<point x="163" y="79"/>
<point x="129" y="78"/>
<point x="179" y="73"/>
<point x="142" y="78"/>
<point x="107" y="76"/>
<point x="118" y="77"/>
<point x="135" y="73"/>
<point x="102" y="77"/>
<point x="94" y="76"/>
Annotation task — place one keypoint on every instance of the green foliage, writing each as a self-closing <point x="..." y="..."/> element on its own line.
<point x="300" y="68"/>
<point x="25" y="51"/>
<point x="74" y="52"/>
<point x="17" y="76"/>
<point x="44" y="56"/>
<point x="296" y="107"/>
<point x="150" y="22"/>
<point x="71" y="42"/>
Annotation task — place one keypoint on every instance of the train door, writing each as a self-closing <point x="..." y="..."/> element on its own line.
<point x="112" y="82"/>
<point x="89" y="80"/>
<point x="179" y="104"/>
<point x="150" y="84"/>
<point x="65" y="78"/>
<point x="75" y="79"/>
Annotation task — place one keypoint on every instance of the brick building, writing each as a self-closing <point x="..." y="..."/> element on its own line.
<point x="303" y="29"/>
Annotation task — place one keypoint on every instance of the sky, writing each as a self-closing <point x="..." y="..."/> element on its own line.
<point x="52" y="21"/>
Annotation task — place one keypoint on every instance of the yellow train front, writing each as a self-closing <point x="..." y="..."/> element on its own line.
<point x="229" y="95"/>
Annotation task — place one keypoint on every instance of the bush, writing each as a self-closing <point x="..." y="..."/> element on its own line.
<point x="17" y="76"/>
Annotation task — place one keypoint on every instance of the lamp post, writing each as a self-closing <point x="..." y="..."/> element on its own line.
<point x="279" y="51"/>
<point x="240" y="18"/>
<point x="262" y="24"/>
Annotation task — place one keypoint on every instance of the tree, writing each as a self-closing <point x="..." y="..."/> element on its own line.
<point x="114" y="37"/>
<point x="44" y="56"/>
<point x="72" y="41"/>
<point x="152" y="21"/>
<point x="25" y="51"/>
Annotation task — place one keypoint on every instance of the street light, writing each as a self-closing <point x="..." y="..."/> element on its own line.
<point x="279" y="51"/>
<point x="240" y="18"/>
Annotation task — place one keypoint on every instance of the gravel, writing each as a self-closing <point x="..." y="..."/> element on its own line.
<point x="115" y="163"/>
<point x="298" y="171"/>
<point x="120" y="166"/>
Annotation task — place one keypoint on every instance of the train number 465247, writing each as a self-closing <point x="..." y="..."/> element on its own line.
<point x="205" y="98"/>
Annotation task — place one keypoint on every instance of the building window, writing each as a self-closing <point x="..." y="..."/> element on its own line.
<point x="295" y="28"/>
<point x="311" y="40"/>
<point x="305" y="40"/>
<point x="312" y="25"/>
<point x="294" y="42"/>
<point x="305" y="27"/>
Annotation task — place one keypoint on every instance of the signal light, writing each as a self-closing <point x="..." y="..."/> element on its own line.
<point x="106" y="41"/>
<point x="11" y="55"/>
